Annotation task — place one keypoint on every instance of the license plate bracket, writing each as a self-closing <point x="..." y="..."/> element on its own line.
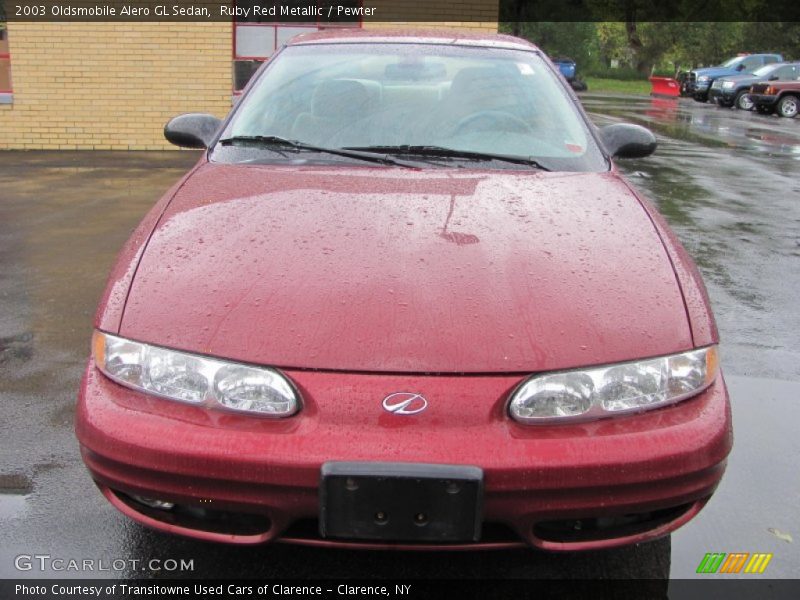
<point x="401" y="501"/>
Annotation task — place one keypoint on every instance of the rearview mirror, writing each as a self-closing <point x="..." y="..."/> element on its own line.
<point x="625" y="140"/>
<point x="192" y="130"/>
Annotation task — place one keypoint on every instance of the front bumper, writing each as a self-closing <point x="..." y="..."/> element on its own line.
<point x="699" y="90"/>
<point x="763" y="99"/>
<point x="722" y="96"/>
<point x="248" y="480"/>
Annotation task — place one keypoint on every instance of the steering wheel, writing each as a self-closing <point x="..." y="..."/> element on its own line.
<point x="494" y="120"/>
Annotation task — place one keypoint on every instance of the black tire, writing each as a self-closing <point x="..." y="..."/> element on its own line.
<point x="788" y="106"/>
<point x="701" y="97"/>
<point x="764" y="110"/>
<point x="579" y="85"/>
<point x="743" y="101"/>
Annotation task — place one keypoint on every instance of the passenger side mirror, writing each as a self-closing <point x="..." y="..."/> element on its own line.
<point x="192" y="130"/>
<point x="774" y="78"/>
<point x="740" y="67"/>
<point x="625" y="140"/>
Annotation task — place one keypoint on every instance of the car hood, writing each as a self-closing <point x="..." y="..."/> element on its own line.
<point x="743" y="78"/>
<point x="396" y="270"/>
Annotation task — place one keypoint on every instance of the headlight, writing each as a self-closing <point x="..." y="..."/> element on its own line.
<point x="194" y="379"/>
<point x="614" y="389"/>
<point x="703" y="78"/>
<point x="728" y="84"/>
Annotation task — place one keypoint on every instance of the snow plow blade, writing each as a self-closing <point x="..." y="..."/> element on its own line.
<point x="665" y="86"/>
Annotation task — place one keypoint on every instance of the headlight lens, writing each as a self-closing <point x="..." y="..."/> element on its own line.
<point x="703" y="78"/>
<point x="728" y="84"/>
<point x="194" y="379"/>
<point x="615" y="389"/>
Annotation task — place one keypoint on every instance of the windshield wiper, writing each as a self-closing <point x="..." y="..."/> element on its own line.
<point x="443" y="152"/>
<point x="277" y="141"/>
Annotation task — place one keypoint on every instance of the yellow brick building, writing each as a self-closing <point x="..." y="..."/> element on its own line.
<point x="113" y="85"/>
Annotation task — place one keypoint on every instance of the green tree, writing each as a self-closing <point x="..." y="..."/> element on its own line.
<point x="577" y="40"/>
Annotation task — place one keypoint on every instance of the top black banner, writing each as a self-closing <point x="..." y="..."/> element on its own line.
<point x="358" y="12"/>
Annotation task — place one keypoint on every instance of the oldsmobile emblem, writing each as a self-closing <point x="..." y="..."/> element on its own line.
<point x="405" y="403"/>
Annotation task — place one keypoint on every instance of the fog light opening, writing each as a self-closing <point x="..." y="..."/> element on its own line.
<point x="198" y="518"/>
<point x="607" y="526"/>
<point x="154" y="503"/>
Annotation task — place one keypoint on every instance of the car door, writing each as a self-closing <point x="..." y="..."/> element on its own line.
<point x="751" y="63"/>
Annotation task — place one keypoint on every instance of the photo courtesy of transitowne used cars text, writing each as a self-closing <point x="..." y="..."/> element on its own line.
<point x="405" y="299"/>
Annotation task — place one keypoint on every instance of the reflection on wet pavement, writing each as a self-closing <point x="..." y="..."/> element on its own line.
<point x="726" y="182"/>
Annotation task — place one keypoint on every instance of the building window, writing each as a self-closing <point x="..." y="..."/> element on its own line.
<point x="5" y="66"/>
<point x="255" y="38"/>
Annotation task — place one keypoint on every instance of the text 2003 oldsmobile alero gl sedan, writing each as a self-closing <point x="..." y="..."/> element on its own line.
<point x="405" y="299"/>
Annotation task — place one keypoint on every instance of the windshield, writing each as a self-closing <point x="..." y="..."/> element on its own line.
<point x="732" y="62"/>
<point x="413" y="99"/>
<point x="765" y="70"/>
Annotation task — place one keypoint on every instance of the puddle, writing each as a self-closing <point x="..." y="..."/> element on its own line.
<point x="16" y="347"/>
<point x="15" y="491"/>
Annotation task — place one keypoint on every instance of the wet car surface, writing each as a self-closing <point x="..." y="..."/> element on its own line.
<point x="299" y="273"/>
<point x="724" y="180"/>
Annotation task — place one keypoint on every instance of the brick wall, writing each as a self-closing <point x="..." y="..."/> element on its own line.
<point x="109" y="86"/>
<point x="472" y="15"/>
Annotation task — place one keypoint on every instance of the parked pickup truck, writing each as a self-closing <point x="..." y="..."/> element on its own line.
<point x="735" y="90"/>
<point x="698" y="82"/>
<point x="782" y="97"/>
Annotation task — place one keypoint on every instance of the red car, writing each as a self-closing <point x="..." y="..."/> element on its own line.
<point x="406" y="300"/>
<point x="782" y="97"/>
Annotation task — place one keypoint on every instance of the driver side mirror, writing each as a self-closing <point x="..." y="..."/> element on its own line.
<point x="625" y="140"/>
<point x="740" y="67"/>
<point x="774" y="78"/>
<point x="192" y="130"/>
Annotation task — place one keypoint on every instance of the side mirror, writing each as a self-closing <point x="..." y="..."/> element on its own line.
<point x="625" y="140"/>
<point x="773" y="78"/>
<point x="740" y="67"/>
<point x="192" y="130"/>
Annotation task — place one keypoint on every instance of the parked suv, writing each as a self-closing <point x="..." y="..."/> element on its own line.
<point x="699" y="81"/>
<point x="735" y="89"/>
<point x="782" y="97"/>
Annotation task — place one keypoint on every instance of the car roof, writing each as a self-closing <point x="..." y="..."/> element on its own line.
<point x="782" y="63"/>
<point x="775" y="65"/>
<point x="418" y="36"/>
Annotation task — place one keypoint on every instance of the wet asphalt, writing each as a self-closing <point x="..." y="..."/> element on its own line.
<point x="727" y="182"/>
